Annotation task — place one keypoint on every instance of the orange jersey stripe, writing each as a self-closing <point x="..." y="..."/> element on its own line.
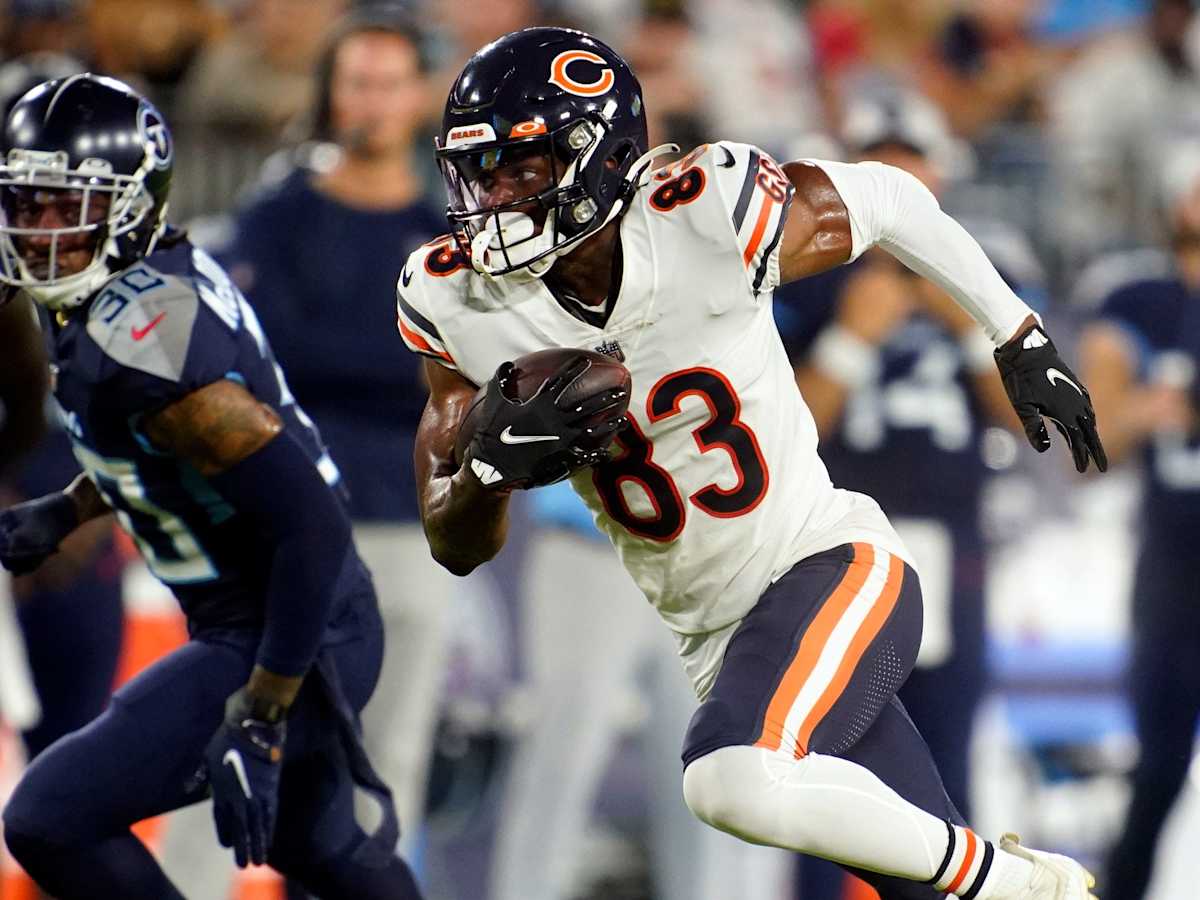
<point x="966" y="863"/>
<point x="812" y="644"/>
<point x="760" y="228"/>
<point x="419" y="342"/>
<point x="866" y="633"/>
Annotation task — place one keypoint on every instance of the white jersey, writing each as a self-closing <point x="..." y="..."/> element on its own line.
<point x="717" y="489"/>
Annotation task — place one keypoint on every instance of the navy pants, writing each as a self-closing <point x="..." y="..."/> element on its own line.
<point x="68" y="820"/>
<point x="1164" y="689"/>
<point x="797" y="619"/>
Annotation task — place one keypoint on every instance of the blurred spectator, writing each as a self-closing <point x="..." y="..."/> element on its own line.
<point x="586" y="656"/>
<point x="663" y="51"/>
<point x="903" y="387"/>
<point x="866" y="41"/>
<point x="1112" y="111"/>
<point x="53" y="26"/>
<point x="753" y="60"/>
<point x="152" y="40"/>
<point x="459" y="29"/>
<point x="235" y="103"/>
<point x="258" y="77"/>
<point x="318" y="255"/>
<point x="989" y="68"/>
<point x="1140" y="358"/>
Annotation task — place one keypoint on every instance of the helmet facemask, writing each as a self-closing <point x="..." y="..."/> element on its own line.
<point x="526" y="234"/>
<point x="96" y="208"/>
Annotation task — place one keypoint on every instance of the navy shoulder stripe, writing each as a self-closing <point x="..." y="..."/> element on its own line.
<point x="421" y="322"/>
<point x="743" y="201"/>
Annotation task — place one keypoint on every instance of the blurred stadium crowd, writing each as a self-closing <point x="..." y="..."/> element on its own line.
<point x="530" y="715"/>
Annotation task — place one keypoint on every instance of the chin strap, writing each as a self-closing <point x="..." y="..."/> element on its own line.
<point x="638" y="176"/>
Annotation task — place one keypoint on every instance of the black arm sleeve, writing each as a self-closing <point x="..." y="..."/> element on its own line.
<point x="279" y="490"/>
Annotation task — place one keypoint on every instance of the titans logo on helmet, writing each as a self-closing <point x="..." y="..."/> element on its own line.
<point x="154" y="132"/>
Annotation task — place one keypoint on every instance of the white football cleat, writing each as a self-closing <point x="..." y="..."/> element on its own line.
<point x="1055" y="877"/>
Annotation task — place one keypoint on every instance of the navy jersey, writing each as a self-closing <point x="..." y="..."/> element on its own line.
<point x="1162" y="319"/>
<point x="325" y="292"/>
<point x="911" y="439"/>
<point x="160" y="330"/>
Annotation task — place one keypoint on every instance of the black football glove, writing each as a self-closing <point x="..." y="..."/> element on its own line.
<point x="1039" y="383"/>
<point x="544" y="439"/>
<point x="244" y="760"/>
<point x="32" y="531"/>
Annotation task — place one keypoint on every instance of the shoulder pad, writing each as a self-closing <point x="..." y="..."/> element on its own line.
<point x="143" y="319"/>
<point x="743" y="199"/>
<point x="432" y="276"/>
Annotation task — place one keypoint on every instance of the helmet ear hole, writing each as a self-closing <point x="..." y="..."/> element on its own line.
<point x="621" y="157"/>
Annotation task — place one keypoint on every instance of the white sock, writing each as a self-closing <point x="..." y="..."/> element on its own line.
<point x="975" y="869"/>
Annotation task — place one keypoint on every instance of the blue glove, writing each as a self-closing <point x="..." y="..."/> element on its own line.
<point x="244" y="759"/>
<point x="32" y="531"/>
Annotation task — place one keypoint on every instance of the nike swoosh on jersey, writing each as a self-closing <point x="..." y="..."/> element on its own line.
<point x="139" y="333"/>
<point x="1053" y="375"/>
<point x="507" y="437"/>
<point x="405" y="277"/>
<point x="233" y="758"/>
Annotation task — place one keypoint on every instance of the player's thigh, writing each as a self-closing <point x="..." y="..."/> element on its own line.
<point x="316" y="807"/>
<point x="140" y="758"/>
<point x="817" y="658"/>
<point x="316" y="792"/>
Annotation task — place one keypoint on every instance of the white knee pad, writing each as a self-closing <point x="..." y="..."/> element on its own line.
<point x="727" y="789"/>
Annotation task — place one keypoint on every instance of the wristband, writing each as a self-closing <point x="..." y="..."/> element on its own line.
<point x="845" y="357"/>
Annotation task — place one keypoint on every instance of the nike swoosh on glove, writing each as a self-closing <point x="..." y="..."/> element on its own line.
<point x="244" y="760"/>
<point x="32" y="531"/>
<point x="1038" y="383"/>
<point x="581" y="429"/>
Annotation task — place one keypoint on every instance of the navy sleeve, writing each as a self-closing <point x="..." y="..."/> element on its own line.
<point x="280" y="491"/>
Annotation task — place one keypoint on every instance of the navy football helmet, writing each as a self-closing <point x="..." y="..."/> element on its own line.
<point x="558" y="96"/>
<point x="84" y="178"/>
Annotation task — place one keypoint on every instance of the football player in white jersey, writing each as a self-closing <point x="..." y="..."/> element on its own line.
<point x="794" y="605"/>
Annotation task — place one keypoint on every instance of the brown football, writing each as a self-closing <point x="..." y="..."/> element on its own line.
<point x="534" y="369"/>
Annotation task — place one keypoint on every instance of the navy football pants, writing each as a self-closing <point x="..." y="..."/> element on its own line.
<point x="68" y="820"/>
<point x="866" y="724"/>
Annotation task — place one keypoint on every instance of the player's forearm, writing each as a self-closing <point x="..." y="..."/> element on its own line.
<point x="891" y="209"/>
<point x="466" y="523"/>
<point x="281" y="497"/>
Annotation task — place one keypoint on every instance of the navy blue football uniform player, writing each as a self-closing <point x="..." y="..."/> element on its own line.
<point x="185" y="428"/>
<point x="1144" y="347"/>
